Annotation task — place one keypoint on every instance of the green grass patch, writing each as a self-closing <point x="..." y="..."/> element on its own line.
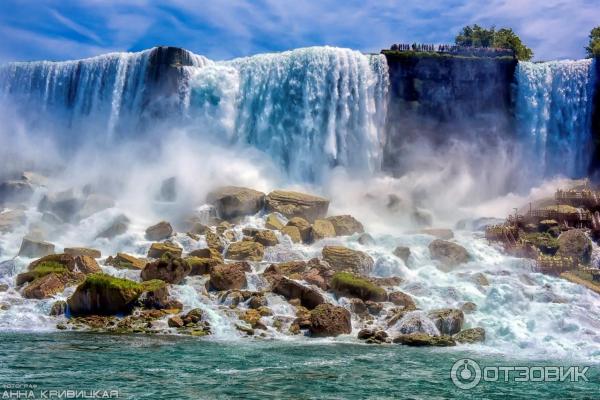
<point x="111" y="282"/>
<point x="47" y="267"/>
<point x="544" y="241"/>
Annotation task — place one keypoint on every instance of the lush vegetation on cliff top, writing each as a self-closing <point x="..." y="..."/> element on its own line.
<point x="593" y="48"/>
<point x="505" y="38"/>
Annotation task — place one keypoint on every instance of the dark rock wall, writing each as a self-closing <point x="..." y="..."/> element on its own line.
<point x="595" y="165"/>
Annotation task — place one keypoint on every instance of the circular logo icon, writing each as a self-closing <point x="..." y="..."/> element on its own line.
<point x="465" y="374"/>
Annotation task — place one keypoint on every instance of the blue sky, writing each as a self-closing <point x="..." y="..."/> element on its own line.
<point x="63" y="29"/>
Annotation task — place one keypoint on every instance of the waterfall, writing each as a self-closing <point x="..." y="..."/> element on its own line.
<point x="553" y="107"/>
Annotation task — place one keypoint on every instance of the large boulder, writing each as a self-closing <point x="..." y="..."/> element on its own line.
<point x="350" y="285"/>
<point x="346" y="225"/>
<point x="420" y="339"/>
<point x="403" y="300"/>
<point x="160" y="231"/>
<point x="214" y="241"/>
<point x="303" y="226"/>
<point x="232" y="201"/>
<point x="202" y="265"/>
<point x="65" y="204"/>
<point x="82" y="251"/>
<point x="125" y="261"/>
<point x="117" y="226"/>
<point x="344" y="259"/>
<point x="293" y="232"/>
<point x="30" y="247"/>
<point x="403" y="253"/>
<point x="228" y="276"/>
<point x="322" y="229"/>
<point x="169" y="268"/>
<point x="245" y="250"/>
<point x="329" y="320"/>
<point x="309" y="298"/>
<point x="448" y="253"/>
<point x="102" y="294"/>
<point x="472" y="335"/>
<point x="296" y="204"/>
<point x="576" y="244"/>
<point x="87" y="265"/>
<point x="273" y="222"/>
<point x="447" y="320"/>
<point x="45" y="287"/>
<point x="157" y="250"/>
<point x="265" y="237"/>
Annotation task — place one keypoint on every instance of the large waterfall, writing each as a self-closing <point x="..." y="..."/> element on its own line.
<point x="554" y="107"/>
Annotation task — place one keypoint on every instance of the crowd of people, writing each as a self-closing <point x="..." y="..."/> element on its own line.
<point x="454" y="49"/>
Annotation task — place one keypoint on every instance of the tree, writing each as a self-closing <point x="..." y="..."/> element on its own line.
<point x="505" y="38"/>
<point x="593" y="49"/>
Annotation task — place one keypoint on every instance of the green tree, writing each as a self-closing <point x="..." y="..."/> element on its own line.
<point x="593" y="49"/>
<point x="505" y="38"/>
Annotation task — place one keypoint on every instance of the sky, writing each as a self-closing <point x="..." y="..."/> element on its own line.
<point x="224" y="29"/>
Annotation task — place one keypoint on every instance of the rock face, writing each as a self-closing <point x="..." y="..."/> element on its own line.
<point x="160" y="231"/>
<point x="168" y="268"/>
<point x="35" y="248"/>
<point x="575" y="243"/>
<point x="295" y="204"/>
<point x="402" y="253"/>
<point x="350" y="285"/>
<point x="346" y="225"/>
<point x="448" y="253"/>
<point x="448" y="320"/>
<point x="228" y="276"/>
<point x="245" y="250"/>
<point x="309" y="298"/>
<point x="344" y="259"/>
<point x="157" y="250"/>
<point x="473" y="335"/>
<point x="329" y="320"/>
<point x="419" y="339"/>
<point x="232" y="201"/>
<point x="322" y="229"/>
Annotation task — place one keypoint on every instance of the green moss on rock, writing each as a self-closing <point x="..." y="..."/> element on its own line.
<point x="352" y="285"/>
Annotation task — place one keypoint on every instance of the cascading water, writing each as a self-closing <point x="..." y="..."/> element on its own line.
<point x="553" y="107"/>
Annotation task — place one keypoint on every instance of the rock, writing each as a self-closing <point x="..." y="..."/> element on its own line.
<point x="207" y="253"/>
<point x="448" y="320"/>
<point x="473" y="335"/>
<point x="480" y="279"/>
<point x="3" y="287"/>
<point x="169" y="268"/>
<point x="87" y="265"/>
<point x="346" y="225"/>
<point x="309" y="298"/>
<point x="228" y="276"/>
<point x="373" y="336"/>
<point x="157" y="250"/>
<point x="322" y="229"/>
<point x="366" y="239"/>
<point x="350" y="285"/>
<point x="575" y="243"/>
<point x="251" y="317"/>
<point x="245" y="250"/>
<point x="11" y="219"/>
<point x="358" y="306"/>
<point x="448" y="253"/>
<point x="58" y="308"/>
<point x="444" y="234"/>
<point x="44" y="287"/>
<point x="83" y="251"/>
<point x="93" y="204"/>
<point x="175" y="322"/>
<point x="314" y="277"/>
<point x="232" y="201"/>
<point x="274" y="222"/>
<point x="65" y="260"/>
<point x="344" y="259"/>
<point x="403" y="253"/>
<point x="125" y="261"/>
<point x="257" y="301"/>
<point x="168" y="191"/>
<point x="201" y="266"/>
<point x="293" y="232"/>
<point x="295" y="204"/>
<point x="468" y="307"/>
<point x="266" y="238"/>
<point x="65" y="204"/>
<point x="403" y="300"/>
<point x="160" y="231"/>
<point x="214" y="241"/>
<point x="421" y="217"/>
<point x="373" y="307"/>
<point x="117" y="227"/>
<point x="32" y="248"/>
<point x="157" y="297"/>
<point x="15" y="191"/>
<point x="419" y="339"/>
<point x="102" y="294"/>
<point x="303" y="227"/>
<point x="329" y="320"/>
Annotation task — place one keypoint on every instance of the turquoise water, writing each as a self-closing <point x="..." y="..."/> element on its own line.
<point x="143" y="367"/>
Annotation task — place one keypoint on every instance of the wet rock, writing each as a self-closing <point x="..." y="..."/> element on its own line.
<point x="93" y="204"/>
<point x="175" y="322"/>
<point x="157" y="250"/>
<point x="32" y="248"/>
<point x="3" y="287"/>
<point x="44" y="287"/>
<point x="444" y="234"/>
<point x="214" y="241"/>
<point x="468" y="307"/>
<point x="403" y="300"/>
<point x="245" y="250"/>
<point x="309" y="298"/>
<point x="365" y="239"/>
<point x="329" y="320"/>
<point x="232" y="201"/>
<point x="294" y="204"/>
<point x="168" y="190"/>
<point x="274" y="222"/>
<point x="322" y="229"/>
<point x="65" y="204"/>
<point x="419" y="339"/>
<point x="358" y="306"/>
<point x="117" y="227"/>
<point x="11" y="219"/>
<point x="350" y="285"/>
<point x="160" y="231"/>
<point x="473" y="335"/>
<point x="58" y="308"/>
<point x="157" y="297"/>
<point x="373" y="336"/>
<point x="388" y="281"/>
<point x="251" y="317"/>
<point x="480" y="279"/>
<point x="168" y="268"/>
<point x="373" y="307"/>
<point x="293" y="232"/>
<point x="421" y="217"/>
<point x="403" y="253"/>
<point x="303" y="226"/>
<point x="447" y="320"/>
<point x="263" y="236"/>
<point x="344" y="259"/>
<point x="228" y="276"/>
<point x="448" y="253"/>
<point x="82" y="251"/>
<point x="316" y="277"/>
<point x="576" y="244"/>
<point x="346" y="225"/>
<point x="125" y="261"/>
<point x="201" y="266"/>
<point x="257" y="301"/>
<point x="87" y="265"/>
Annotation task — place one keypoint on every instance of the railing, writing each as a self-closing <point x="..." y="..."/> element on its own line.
<point x="584" y="197"/>
<point x="454" y="50"/>
<point x="554" y="265"/>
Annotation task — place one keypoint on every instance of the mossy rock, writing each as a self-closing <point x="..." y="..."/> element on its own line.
<point x="345" y="283"/>
<point x="157" y="250"/>
<point x="41" y="270"/>
<point x="200" y="265"/>
<point x="545" y="242"/>
<point x="125" y="261"/>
